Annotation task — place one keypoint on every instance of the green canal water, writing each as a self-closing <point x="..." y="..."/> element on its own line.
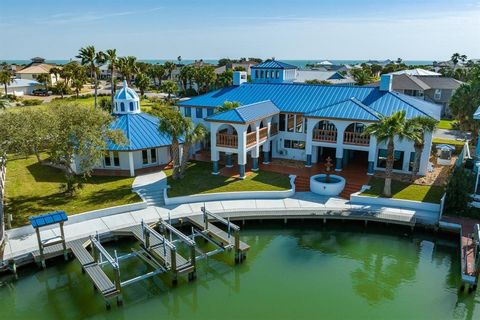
<point x="291" y="272"/>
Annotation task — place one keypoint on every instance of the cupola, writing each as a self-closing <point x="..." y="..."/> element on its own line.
<point x="126" y="101"/>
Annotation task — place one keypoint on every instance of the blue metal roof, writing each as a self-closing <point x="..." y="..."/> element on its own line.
<point x="141" y="132"/>
<point x="476" y="115"/>
<point x="306" y="98"/>
<point x="48" y="219"/>
<point x="274" y="64"/>
<point x="126" y="93"/>
<point x="350" y="109"/>
<point x="247" y="113"/>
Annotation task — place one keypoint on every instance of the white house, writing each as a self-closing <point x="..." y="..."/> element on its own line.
<point x="282" y="119"/>
<point x="20" y="87"/>
<point x="147" y="149"/>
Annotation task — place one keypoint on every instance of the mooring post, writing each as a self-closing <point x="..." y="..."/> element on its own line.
<point x="40" y="248"/>
<point x="173" y="264"/>
<point x="205" y="216"/>
<point x="118" y="283"/>
<point x="193" y="261"/>
<point x="64" y="243"/>
<point x="238" y="256"/>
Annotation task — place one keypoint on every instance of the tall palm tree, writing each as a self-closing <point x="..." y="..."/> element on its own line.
<point x="5" y="79"/>
<point x="186" y="76"/>
<point x="44" y="78"/>
<point x="111" y="57"/>
<point x="386" y="130"/>
<point x="56" y="72"/>
<point x="142" y="82"/>
<point x="457" y="57"/>
<point x="89" y="57"/>
<point x="419" y="127"/>
<point x="169" y="87"/>
<point x="127" y="67"/>
<point x="173" y="124"/>
<point x="192" y="135"/>
<point x="169" y="66"/>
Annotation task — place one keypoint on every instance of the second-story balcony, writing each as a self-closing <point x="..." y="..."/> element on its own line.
<point x="356" y="138"/>
<point x="251" y="138"/>
<point x="263" y="134"/>
<point x="324" y="135"/>
<point x="273" y="129"/>
<point x="227" y="140"/>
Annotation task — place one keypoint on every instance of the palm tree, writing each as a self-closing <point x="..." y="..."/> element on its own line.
<point x="3" y="104"/>
<point x="192" y="135"/>
<point x="386" y="130"/>
<point x="127" y="67"/>
<point x="44" y="78"/>
<point x="173" y="124"/>
<point x="185" y="76"/>
<point x="111" y="57"/>
<point x="89" y="57"/>
<point x="169" y="87"/>
<point x="362" y="76"/>
<point x="457" y="57"/>
<point x="56" y="72"/>
<point x="419" y="127"/>
<point x="142" y="82"/>
<point x="227" y="105"/>
<point x="5" y="79"/>
<point x="169" y="66"/>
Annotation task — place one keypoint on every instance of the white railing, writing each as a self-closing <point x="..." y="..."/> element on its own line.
<point x="3" y="171"/>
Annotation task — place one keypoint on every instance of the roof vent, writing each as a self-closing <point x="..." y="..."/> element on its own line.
<point x="386" y="82"/>
<point x="239" y="77"/>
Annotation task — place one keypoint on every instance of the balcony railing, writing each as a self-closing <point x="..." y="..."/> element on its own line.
<point x="325" y="135"/>
<point x="273" y="129"/>
<point x="227" y="140"/>
<point x="356" y="138"/>
<point x="251" y="138"/>
<point x="263" y="134"/>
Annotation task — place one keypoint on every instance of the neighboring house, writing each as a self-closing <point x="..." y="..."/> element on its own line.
<point x="417" y="72"/>
<point x="435" y="89"/>
<point x="36" y="67"/>
<point x="146" y="150"/>
<point x="20" y="87"/>
<point x="282" y="119"/>
<point x="331" y="76"/>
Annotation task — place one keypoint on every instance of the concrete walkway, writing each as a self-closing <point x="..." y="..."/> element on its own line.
<point x="447" y="134"/>
<point x="150" y="188"/>
<point x="301" y="204"/>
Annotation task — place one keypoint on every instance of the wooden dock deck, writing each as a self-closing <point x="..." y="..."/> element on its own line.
<point x="218" y="234"/>
<point x="157" y="249"/>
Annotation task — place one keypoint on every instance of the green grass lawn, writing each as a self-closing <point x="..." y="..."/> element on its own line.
<point x="445" y="124"/>
<point x="448" y="141"/>
<point x="407" y="191"/>
<point x="33" y="189"/>
<point x="199" y="179"/>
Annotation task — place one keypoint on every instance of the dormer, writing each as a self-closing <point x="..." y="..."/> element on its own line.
<point x="272" y="71"/>
<point x="126" y="101"/>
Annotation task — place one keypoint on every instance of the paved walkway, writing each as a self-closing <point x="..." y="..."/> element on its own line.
<point x="447" y="134"/>
<point x="300" y="204"/>
<point x="150" y="188"/>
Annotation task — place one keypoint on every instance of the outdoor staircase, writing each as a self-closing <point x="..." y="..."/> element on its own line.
<point x="349" y="189"/>
<point x="302" y="184"/>
<point x="152" y="194"/>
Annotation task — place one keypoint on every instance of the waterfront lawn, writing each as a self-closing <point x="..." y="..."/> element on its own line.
<point x="33" y="189"/>
<point x="199" y="179"/>
<point x="446" y="124"/>
<point x="407" y="191"/>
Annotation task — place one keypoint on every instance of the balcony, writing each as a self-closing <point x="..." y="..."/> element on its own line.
<point x="356" y="138"/>
<point x="251" y="138"/>
<point x="263" y="134"/>
<point x="324" y="135"/>
<point x="227" y="140"/>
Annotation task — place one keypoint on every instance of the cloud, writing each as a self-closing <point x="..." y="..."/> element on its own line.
<point x="69" y="18"/>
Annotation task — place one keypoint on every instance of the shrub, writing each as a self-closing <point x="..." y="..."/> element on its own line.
<point x="459" y="188"/>
<point x="31" y="102"/>
<point x="105" y="104"/>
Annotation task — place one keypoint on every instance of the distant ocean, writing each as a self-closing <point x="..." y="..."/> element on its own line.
<point x="298" y="63"/>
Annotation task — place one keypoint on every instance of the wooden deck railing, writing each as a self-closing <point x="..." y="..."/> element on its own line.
<point x="227" y="140"/>
<point x="356" y="138"/>
<point x="263" y="134"/>
<point x="273" y="129"/>
<point x="324" y="135"/>
<point x="251" y="138"/>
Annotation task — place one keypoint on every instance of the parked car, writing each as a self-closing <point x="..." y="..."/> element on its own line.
<point x="40" y="92"/>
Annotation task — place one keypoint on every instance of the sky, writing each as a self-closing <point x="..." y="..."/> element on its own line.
<point x="212" y="29"/>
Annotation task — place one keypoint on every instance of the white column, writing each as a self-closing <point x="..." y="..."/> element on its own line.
<point x="131" y="164"/>
<point x="242" y="144"/>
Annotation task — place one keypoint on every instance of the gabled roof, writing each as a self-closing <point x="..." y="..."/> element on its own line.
<point x="350" y="109"/>
<point x="48" y="219"/>
<point x="306" y="98"/>
<point x="417" y="72"/>
<point x="440" y="82"/>
<point x="274" y="64"/>
<point x="141" y="132"/>
<point x="247" y="113"/>
<point x="36" y="68"/>
<point x="306" y="75"/>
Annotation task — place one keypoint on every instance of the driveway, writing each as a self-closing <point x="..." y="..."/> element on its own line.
<point x="448" y="134"/>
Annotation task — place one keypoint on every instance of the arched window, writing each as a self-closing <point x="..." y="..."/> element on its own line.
<point x="138" y="106"/>
<point x="131" y="106"/>
<point x="122" y="107"/>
